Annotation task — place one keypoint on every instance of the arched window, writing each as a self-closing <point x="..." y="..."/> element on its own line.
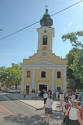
<point x="45" y="40"/>
<point x="43" y="74"/>
<point x="28" y="73"/>
<point x="58" y="74"/>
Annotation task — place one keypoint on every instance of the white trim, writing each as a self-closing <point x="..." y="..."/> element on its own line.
<point x="43" y="61"/>
<point x="50" y="42"/>
<point x="53" y="74"/>
<point x="33" y="78"/>
<point x="22" y="82"/>
<point x="64" y="80"/>
<point x="38" y="41"/>
<point x="54" y="66"/>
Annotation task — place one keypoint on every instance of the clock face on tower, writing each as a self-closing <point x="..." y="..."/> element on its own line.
<point x="44" y="54"/>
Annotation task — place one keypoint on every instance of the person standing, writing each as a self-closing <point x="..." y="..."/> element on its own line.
<point x="65" y="105"/>
<point x="80" y="113"/>
<point x="61" y="97"/>
<point x="24" y="94"/>
<point x="48" y="108"/>
<point x="73" y="114"/>
<point x="57" y="95"/>
<point x="45" y="96"/>
<point x="73" y="96"/>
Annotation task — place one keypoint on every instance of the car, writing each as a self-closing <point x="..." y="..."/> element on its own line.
<point x="12" y="90"/>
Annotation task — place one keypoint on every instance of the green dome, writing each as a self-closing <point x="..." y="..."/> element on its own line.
<point x="46" y="19"/>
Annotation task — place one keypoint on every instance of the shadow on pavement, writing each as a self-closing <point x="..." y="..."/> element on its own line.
<point x="34" y="120"/>
<point x="57" y="115"/>
<point x="25" y="120"/>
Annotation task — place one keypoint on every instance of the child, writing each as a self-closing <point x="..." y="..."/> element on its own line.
<point x="48" y="108"/>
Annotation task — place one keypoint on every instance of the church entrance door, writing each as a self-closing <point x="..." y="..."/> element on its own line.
<point x="42" y="87"/>
<point x="27" y="89"/>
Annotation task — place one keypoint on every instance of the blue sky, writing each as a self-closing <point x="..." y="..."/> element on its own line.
<point x="16" y="14"/>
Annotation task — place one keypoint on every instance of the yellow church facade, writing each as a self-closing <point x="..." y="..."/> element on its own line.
<point x="44" y="70"/>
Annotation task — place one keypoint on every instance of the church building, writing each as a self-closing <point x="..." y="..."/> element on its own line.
<point x="44" y="70"/>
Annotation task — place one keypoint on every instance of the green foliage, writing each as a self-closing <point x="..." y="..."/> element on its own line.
<point x="74" y="39"/>
<point x="72" y="84"/>
<point x="75" y="60"/>
<point x="11" y="75"/>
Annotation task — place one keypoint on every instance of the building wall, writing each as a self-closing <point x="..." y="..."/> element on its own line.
<point x="47" y="81"/>
<point x="48" y="62"/>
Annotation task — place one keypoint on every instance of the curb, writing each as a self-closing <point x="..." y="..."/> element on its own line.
<point x="28" y="104"/>
<point x="23" y="102"/>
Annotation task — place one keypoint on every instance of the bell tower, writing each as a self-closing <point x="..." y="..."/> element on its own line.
<point x="45" y="33"/>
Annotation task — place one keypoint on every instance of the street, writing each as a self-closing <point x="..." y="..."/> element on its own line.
<point x="15" y="112"/>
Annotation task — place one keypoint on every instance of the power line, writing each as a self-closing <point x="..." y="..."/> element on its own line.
<point x="67" y="8"/>
<point x="11" y="34"/>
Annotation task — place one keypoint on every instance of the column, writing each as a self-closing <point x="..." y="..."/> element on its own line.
<point x="50" y="41"/>
<point x="22" y="82"/>
<point x="39" y="41"/>
<point x="64" y="80"/>
<point x="33" y="78"/>
<point x="53" y="74"/>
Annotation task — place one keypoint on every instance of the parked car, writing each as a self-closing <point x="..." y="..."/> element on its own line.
<point x="12" y="90"/>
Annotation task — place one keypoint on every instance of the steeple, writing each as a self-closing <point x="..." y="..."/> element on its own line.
<point x="45" y="33"/>
<point x="46" y="19"/>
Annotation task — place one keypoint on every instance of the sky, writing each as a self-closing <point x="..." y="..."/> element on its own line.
<point x="16" y="14"/>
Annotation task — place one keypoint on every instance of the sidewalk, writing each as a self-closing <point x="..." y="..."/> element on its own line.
<point x="35" y="102"/>
<point x="38" y="104"/>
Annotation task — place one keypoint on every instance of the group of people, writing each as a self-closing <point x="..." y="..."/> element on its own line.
<point x="71" y="107"/>
<point x="73" y="111"/>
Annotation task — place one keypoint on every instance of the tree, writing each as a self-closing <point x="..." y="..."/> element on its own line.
<point x="74" y="38"/>
<point x="2" y="75"/>
<point x="11" y="76"/>
<point x="16" y="71"/>
<point x="72" y="84"/>
<point x="75" y="59"/>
